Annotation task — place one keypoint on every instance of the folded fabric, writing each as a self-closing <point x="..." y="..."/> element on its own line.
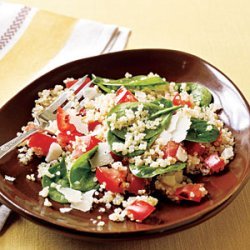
<point x="34" y="41"/>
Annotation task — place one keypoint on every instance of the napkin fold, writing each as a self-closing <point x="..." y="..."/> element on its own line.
<point x="34" y="41"/>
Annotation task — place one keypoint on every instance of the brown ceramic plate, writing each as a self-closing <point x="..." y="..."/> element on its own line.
<point x="22" y="195"/>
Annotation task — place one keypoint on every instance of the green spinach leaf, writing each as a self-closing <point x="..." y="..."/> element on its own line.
<point x="199" y="132"/>
<point x="136" y="82"/>
<point x="149" y="172"/>
<point x="59" y="179"/>
<point x="81" y="177"/>
<point x="200" y="93"/>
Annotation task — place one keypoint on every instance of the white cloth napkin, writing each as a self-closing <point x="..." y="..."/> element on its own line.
<point x="84" y="38"/>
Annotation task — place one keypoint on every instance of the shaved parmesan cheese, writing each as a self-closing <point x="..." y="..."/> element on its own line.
<point x="80" y="125"/>
<point x="164" y="137"/>
<point x="182" y="126"/>
<point x="102" y="156"/>
<point x="70" y="194"/>
<point x="55" y="151"/>
<point x="86" y="202"/>
<point x="173" y="123"/>
<point x="181" y="154"/>
<point x="177" y="129"/>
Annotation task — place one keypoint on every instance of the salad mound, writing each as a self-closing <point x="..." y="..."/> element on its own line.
<point x="126" y="141"/>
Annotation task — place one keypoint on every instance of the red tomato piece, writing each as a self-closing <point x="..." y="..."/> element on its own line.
<point x="170" y="149"/>
<point x="116" y="157"/>
<point x="91" y="142"/>
<point x="135" y="184"/>
<point x="191" y="192"/>
<point x="65" y="138"/>
<point x="63" y="121"/>
<point x="214" y="163"/>
<point x="92" y="125"/>
<point x="41" y="143"/>
<point x="71" y="83"/>
<point x="195" y="148"/>
<point x="140" y="210"/>
<point x="113" y="178"/>
<point x="177" y="101"/>
<point x="124" y="95"/>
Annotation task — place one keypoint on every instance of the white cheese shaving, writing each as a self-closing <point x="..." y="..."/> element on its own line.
<point x="55" y="151"/>
<point x="182" y="126"/>
<point x="102" y="157"/>
<point x="70" y="194"/>
<point x="79" y="124"/>
<point x="164" y="137"/>
<point x="173" y="123"/>
<point x="85" y="204"/>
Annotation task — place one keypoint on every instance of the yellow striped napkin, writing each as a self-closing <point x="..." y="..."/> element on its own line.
<point x="34" y="41"/>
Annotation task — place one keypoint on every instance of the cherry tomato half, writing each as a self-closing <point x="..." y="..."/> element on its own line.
<point x="190" y="192"/>
<point x="195" y="148"/>
<point x="140" y="210"/>
<point x="63" y="121"/>
<point x="124" y="95"/>
<point x="177" y="101"/>
<point x="41" y="143"/>
<point x="214" y="163"/>
<point x="135" y="184"/>
<point x="170" y="149"/>
<point x="113" y="178"/>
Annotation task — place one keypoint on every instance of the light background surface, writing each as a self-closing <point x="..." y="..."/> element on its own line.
<point x="217" y="31"/>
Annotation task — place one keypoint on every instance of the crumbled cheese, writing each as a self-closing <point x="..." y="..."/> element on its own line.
<point x="9" y="178"/>
<point x="90" y="93"/>
<point x="65" y="210"/>
<point x="55" y="151"/>
<point x="47" y="203"/>
<point x="227" y="153"/>
<point x="181" y="154"/>
<point x="30" y="177"/>
<point x="118" y="215"/>
<point x="101" y="210"/>
<point x="44" y="192"/>
<point x="100" y="223"/>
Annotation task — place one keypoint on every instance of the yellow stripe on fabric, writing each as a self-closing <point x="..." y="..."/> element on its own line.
<point x="42" y="40"/>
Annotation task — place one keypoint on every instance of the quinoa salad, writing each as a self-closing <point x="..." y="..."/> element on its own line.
<point x="127" y="146"/>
